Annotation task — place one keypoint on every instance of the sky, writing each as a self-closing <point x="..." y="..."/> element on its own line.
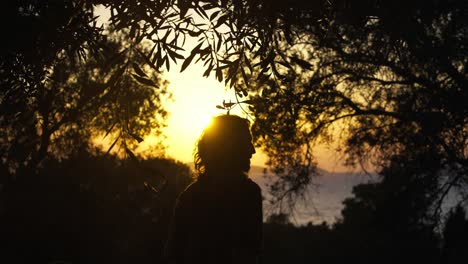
<point x="194" y="102"/>
<point x="195" y="99"/>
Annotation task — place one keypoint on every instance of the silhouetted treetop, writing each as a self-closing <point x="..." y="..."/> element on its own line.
<point x="234" y="39"/>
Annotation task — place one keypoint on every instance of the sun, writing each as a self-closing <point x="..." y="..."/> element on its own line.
<point x="205" y="122"/>
<point x="194" y="106"/>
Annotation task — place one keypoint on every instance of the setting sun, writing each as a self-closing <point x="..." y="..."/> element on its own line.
<point x="195" y="100"/>
<point x="204" y="122"/>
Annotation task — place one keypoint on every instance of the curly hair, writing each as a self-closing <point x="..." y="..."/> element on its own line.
<point x="219" y="142"/>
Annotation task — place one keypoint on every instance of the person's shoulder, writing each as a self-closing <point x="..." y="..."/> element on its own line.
<point x="252" y="191"/>
<point x="253" y="186"/>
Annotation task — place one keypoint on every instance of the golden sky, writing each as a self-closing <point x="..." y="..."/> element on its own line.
<point x="195" y="99"/>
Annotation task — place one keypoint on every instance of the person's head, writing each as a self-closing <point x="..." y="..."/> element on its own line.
<point x="225" y="146"/>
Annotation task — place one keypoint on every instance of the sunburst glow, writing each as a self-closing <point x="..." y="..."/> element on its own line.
<point x="205" y="121"/>
<point x="195" y="100"/>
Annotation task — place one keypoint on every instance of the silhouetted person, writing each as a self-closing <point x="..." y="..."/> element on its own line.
<point x="218" y="218"/>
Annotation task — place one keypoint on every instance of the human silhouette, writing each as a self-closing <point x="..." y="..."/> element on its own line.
<point x="218" y="218"/>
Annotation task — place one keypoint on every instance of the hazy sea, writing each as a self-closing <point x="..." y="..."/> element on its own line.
<point x="323" y="201"/>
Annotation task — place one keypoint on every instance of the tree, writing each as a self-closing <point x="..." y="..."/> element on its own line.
<point x="58" y="96"/>
<point x="388" y="89"/>
<point x="389" y="222"/>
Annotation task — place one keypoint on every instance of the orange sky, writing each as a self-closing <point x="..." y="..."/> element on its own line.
<point x="195" y="100"/>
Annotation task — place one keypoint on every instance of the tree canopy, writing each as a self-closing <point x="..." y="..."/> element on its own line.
<point x="392" y="91"/>
<point x="72" y="83"/>
<point x="389" y="75"/>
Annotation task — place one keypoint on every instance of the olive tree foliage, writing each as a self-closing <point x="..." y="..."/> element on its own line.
<point x="65" y="81"/>
<point x="233" y="38"/>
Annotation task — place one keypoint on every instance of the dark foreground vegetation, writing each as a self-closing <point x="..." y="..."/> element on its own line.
<point x="344" y="242"/>
<point x="90" y="209"/>
<point x="95" y="208"/>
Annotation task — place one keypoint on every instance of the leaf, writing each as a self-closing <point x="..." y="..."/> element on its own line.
<point x="208" y="71"/>
<point x="183" y="6"/>
<point x="150" y="53"/>
<point x="275" y="71"/>
<point x="112" y="146"/>
<point x="221" y="20"/>
<point x="214" y="15"/>
<point x="138" y="70"/>
<point x="228" y="105"/>
<point x="158" y="59"/>
<point x="168" y="66"/>
<point x="113" y="79"/>
<point x="201" y="12"/>
<point x="301" y="62"/>
<point x="174" y="55"/>
<point x="233" y="68"/>
<point x="205" y="51"/>
<point x="197" y="48"/>
<point x="166" y="35"/>
<point x="131" y="155"/>
<point x="223" y="66"/>
<point x="137" y="138"/>
<point x="284" y="63"/>
<point x="219" y="74"/>
<point x="194" y="33"/>
<point x="110" y="129"/>
<point x="187" y="62"/>
<point x="220" y="107"/>
<point x="210" y="6"/>
<point x="246" y="78"/>
<point x="220" y="41"/>
<point x="144" y="81"/>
